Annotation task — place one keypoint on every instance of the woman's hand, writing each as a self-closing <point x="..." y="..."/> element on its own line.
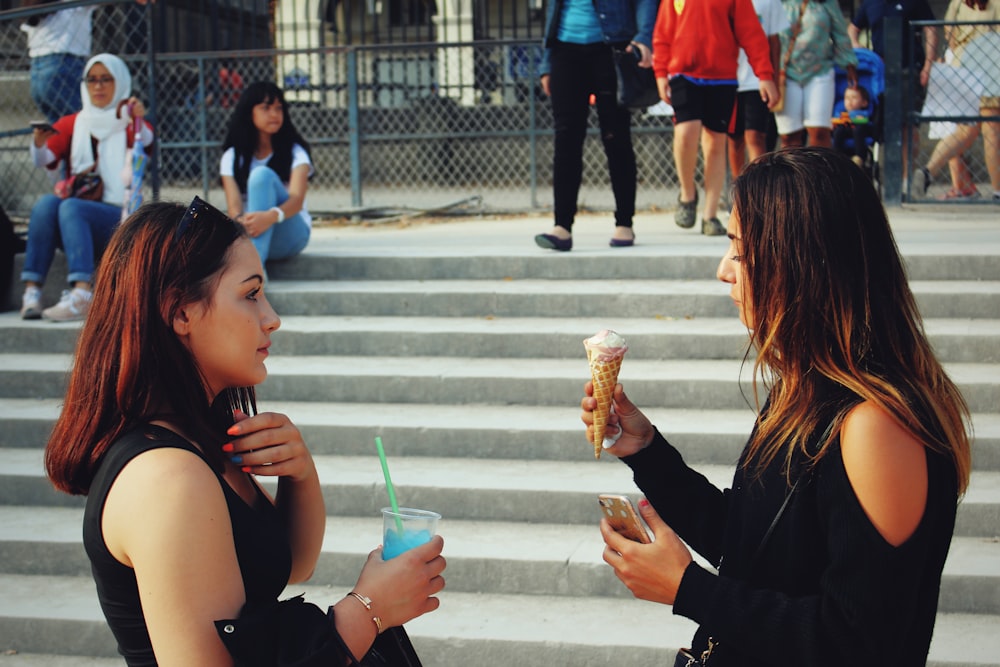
<point x="544" y="82"/>
<point x="645" y="54"/>
<point x="636" y="429"/>
<point x="134" y="107"/>
<point x="269" y="445"/>
<point x="651" y="571"/>
<point x="663" y="85"/>
<point x="41" y="135"/>
<point x="258" y="222"/>
<point x="403" y="587"/>
<point x="769" y="93"/>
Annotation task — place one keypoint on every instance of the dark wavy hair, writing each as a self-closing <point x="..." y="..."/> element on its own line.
<point x="832" y="308"/>
<point x="130" y="367"/>
<point x="242" y="135"/>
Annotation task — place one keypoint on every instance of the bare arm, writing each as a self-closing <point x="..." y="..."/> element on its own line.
<point x="931" y="53"/>
<point x="854" y="32"/>
<point x="270" y="445"/>
<point x="887" y="468"/>
<point x="258" y="222"/>
<point x="166" y="517"/>
<point x="234" y="200"/>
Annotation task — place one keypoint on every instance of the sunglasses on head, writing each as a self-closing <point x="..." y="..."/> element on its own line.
<point x="198" y="207"/>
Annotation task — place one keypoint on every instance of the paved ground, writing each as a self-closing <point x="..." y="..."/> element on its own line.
<point x="918" y="229"/>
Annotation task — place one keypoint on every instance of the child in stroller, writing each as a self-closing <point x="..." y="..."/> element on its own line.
<point x="871" y="78"/>
<point x="854" y="126"/>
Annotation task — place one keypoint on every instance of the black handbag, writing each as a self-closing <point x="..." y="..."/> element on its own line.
<point x="296" y="633"/>
<point x="636" y="85"/>
<point x="392" y="648"/>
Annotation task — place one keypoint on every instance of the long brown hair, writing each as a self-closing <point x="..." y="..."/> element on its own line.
<point x="129" y="366"/>
<point x="832" y="307"/>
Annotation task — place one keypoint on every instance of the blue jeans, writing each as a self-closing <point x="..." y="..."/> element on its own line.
<point x="81" y="228"/>
<point x="285" y="239"/>
<point x="55" y="84"/>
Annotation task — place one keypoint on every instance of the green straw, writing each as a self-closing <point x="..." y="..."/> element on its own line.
<point x="388" y="484"/>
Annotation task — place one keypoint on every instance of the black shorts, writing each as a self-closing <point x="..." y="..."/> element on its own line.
<point x="713" y="105"/>
<point x="751" y="114"/>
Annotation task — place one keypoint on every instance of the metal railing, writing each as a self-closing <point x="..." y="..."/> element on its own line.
<point x="962" y="114"/>
<point x="391" y="126"/>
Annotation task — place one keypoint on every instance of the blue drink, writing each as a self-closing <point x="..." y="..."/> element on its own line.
<point x="418" y="526"/>
<point x="395" y="544"/>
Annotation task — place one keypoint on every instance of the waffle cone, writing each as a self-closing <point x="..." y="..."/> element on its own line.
<point x="605" y="377"/>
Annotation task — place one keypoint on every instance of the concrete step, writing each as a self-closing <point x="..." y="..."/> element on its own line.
<point x="530" y="558"/>
<point x="578" y="298"/>
<point x="505" y="490"/>
<point x="60" y="615"/>
<point x="954" y="340"/>
<point x="690" y="259"/>
<point x="487" y="432"/>
<point x="722" y="384"/>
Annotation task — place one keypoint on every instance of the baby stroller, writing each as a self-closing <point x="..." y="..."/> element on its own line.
<point x="871" y="75"/>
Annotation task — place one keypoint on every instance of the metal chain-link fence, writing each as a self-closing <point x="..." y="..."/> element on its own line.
<point x="390" y="127"/>
<point x="959" y="125"/>
<point x="47" y="86"/>
<point x="430" y="129"/>
<point x="397" y="127"/>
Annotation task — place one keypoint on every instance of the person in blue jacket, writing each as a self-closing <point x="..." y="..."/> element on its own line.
<point x="578" y="63"/>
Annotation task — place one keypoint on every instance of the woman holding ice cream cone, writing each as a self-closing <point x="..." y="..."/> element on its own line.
<point x="830" y="543"/>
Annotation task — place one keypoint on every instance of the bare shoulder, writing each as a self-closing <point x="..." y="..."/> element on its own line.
<point x="158" y="488"/>
<point x="887" y="468"/>
<point x="167" y="518"/>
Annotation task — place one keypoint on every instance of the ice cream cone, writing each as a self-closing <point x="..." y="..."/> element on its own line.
<point x="605" y="362"/>
<point x="605" y="376"/>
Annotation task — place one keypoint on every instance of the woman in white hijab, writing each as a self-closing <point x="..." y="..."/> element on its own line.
<point x="97" y="139"/>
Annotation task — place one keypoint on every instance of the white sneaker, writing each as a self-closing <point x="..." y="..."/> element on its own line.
<point x="31" y="303"/>
<point x="921" y="181"/>
<point x="73" y="306"/>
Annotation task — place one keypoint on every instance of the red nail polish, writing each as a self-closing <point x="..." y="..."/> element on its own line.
<point x="228" y="447"/>
<point x="233" y="430"/>
<point x="245" y="468"/>
<point x="643" y="503"/>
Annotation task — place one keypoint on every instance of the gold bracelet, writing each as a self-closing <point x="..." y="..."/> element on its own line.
<point x="367" y="602"/>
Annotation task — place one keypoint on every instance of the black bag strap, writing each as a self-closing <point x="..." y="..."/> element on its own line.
<point x="784" y="505"/>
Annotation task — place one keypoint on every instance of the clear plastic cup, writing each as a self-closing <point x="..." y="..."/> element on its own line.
<point x="418" y="528"/>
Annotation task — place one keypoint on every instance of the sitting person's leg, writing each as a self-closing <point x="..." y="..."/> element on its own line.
<point x="43" y="239"/>
<point x="85" y="228"/>
<point x="264" y="191"/>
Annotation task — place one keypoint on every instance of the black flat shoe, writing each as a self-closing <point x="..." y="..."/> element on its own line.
<point x="622" y="243"/>
<point x="550" y="242"/>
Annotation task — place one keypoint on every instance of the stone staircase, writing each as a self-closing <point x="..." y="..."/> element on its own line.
<point x="467" y="359"/>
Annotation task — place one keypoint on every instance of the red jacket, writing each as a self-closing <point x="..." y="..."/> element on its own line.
<point x="60" y="143"/>
<point x="702" y="39"/>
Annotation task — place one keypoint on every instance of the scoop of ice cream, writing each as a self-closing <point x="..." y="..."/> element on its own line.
<point x="605" y="345"/>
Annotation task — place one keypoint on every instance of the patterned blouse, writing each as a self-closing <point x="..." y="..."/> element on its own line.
<point x="822" y="41"/>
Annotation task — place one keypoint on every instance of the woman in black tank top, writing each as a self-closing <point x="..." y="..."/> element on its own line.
<point x="188" y="552"/>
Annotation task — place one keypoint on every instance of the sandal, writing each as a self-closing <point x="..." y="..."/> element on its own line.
<point x="970" y="192"/>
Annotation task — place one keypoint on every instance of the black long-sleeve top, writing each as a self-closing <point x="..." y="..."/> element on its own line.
<point x="826" y="590"/>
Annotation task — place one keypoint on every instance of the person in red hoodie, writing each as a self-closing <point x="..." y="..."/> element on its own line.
<point x="695" y="51"/>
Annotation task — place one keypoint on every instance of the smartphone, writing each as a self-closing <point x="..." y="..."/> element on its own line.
<point x="43" y="125"/>
<point x="623" y="517"/>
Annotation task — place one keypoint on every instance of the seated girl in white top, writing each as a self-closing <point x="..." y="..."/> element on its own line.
<point x="265" y="170"/>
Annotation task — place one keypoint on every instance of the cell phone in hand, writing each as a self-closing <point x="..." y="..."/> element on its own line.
<point x="43" y="125"/>
<point x="623" y="517"/>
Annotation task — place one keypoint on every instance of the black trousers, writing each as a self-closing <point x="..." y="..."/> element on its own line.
<point x="577" y="72"/>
